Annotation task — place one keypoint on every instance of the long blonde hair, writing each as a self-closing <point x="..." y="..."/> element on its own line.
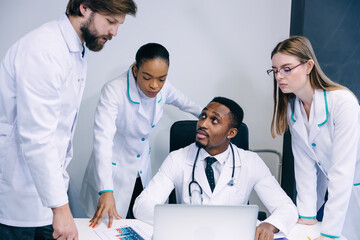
<point x="300" y="47"/>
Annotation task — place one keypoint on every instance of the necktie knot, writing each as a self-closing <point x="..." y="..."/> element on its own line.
<point x="210" y="160"/>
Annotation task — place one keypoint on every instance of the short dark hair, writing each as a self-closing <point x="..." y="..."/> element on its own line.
<point x="236" y="112"/>
<point x="151" y="51"/>
<point x="107" y="7"/>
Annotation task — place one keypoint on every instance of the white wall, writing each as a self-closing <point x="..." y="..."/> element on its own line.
<point x="217" y="48"/>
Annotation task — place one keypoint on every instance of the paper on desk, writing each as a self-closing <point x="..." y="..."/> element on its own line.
<point x="279" y="235"/>
<point x="125" y="232"/>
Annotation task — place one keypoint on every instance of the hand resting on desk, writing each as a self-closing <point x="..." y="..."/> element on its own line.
<point x="106" y="205"/>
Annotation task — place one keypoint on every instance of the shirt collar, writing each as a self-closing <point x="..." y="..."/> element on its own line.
<point x="221" y="157"/>
<point x="71" y="37"/>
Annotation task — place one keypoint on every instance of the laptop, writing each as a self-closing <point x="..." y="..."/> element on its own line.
<point x="204" y="222"/>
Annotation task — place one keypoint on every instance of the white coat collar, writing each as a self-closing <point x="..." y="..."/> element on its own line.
<point x="132" y="91"/>
<point x="221" y="157"/>
<point x="321" y="115"/>
<point x="189" y="160"/>
<point x="71" y="37"/>
<point x="321" y="110"/>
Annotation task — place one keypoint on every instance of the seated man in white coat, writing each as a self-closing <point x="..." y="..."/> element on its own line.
<point x="213" y="155"/>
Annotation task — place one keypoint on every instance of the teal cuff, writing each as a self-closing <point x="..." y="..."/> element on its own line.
<point x="356" y="184"/>
<point x="307" y="217"/>
<point x="329" y="236"/>
<point x="105" y="191"/>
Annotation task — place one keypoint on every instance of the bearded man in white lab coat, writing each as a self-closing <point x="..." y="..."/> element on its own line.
<point x="42" y="79"/>
<point x="218" y="123"/>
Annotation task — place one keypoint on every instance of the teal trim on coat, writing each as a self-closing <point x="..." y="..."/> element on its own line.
<point x="356" y="184"/>
<point x="329" y="236"/>
<point x="307" y="217"/>
<point x="160" y="97"/>
<point x="292" y="114"/>
<point x="105" y="191"/>
<point x="113" y="163"/>
<point x="128" y="91"/>
<point x="327" y="110"/>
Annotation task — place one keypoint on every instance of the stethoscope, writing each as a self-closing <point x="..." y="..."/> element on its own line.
<point x="193" y="181"/>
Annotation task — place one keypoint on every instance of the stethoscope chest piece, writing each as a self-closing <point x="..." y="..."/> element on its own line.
<point x="231" y="182"/>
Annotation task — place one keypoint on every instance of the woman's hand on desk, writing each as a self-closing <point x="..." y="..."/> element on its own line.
<point x="306" y="221"/>
<point x="106" y="205"/>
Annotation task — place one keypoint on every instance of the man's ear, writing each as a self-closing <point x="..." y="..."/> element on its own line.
<point x="232" y="133"/>
<point x="84" y="9"/>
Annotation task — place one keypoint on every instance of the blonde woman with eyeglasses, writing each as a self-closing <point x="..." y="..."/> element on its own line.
<point x="324" y="121"/>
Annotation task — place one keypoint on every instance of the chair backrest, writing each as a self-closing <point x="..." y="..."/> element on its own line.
<point x="182" y="133"/>
<point x="288" y="174"/>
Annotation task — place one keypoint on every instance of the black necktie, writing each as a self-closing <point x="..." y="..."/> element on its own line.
<point x="209" y="172"/>
<point x="83" y="51"/>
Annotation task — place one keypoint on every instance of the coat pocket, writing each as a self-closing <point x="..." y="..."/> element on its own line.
<point x="5" y="136"/>
<point x="237" y="195"/>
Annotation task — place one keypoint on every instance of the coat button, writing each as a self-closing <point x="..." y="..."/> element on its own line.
<point x="143" y="139"/>
<point x="138" y="155"/>
<point x="313" y="144"/>
<point x="153" y="126"/>
<point x="140" y="172"/>
<point x="319" y="163"/>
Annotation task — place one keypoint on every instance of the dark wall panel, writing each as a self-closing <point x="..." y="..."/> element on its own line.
<point x="333" y="28"/>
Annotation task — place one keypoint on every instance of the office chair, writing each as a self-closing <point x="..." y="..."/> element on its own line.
<point x="183" y="133"/>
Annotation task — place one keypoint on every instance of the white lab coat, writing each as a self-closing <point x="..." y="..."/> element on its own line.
<point x="42" y="81"/>
<point x="328" y="159"/>
<point x="121" y="140"/>
<point x="250" y="173"/>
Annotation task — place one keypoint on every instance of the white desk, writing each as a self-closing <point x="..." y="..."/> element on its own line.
<point x="299" y="232"/>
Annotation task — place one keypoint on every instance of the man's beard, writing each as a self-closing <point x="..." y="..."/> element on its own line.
<point x="200" y="145"/>
<point x="90" y="36"/>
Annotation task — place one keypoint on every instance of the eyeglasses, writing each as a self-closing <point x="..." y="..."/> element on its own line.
<point x="284" y="71"/>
